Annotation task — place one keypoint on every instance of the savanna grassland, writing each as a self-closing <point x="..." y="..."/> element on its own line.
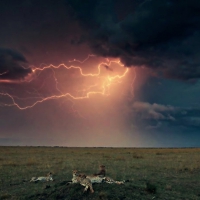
<point x="151" y="173"/>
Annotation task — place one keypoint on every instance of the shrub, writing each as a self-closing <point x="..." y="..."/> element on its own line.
<point x="5" y="196"/>
<point x="137" y="156"/>
<point x="11" y="164"/>
<point x="151" y="188"/>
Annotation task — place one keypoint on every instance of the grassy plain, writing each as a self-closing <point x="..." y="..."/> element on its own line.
<point x="163" y="174"/>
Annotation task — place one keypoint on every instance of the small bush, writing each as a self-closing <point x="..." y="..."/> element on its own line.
<point x="107" y="156"/>
<point x="137" y="156"/>
<point x="151" y="188"/>
<point x="103" y="195"/>
<point x="120" y="158"/>
<point x="11" y="164"/>
<point x="31" y="162"/>
<point x="5" y="196"/>
<point x="159" y="153"/>
<point x="87" y="153"/>
<point x="168" y="187"/>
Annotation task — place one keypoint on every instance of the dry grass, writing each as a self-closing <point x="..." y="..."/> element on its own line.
<point x="137" y="156"/>
<point x="120" y="158"/>
<point x="160" y="173"/>
<point x="31" y="162"/>
<point x="10" y="164"/>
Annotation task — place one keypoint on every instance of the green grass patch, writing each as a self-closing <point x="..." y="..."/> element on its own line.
<point x="152" y="173"/>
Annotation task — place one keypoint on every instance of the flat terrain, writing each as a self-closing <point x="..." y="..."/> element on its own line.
<point x="152" y="173"/>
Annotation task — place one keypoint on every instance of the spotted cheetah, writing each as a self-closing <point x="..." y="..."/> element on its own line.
<point x="102" y="171"/>
<point x="81" y="178"/>
<point x="98" y="177"/>
<point x="42" y="178"/>
<point x="102" y="175"/>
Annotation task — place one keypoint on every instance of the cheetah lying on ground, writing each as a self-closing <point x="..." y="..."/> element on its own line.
<point x="42" y="178"/>
<point x="101" y="175"/>
<point x="111" y="181"/>
<point x="98" y="177"/>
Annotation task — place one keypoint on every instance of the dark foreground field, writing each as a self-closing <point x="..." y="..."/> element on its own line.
<point x="152" y="173"/>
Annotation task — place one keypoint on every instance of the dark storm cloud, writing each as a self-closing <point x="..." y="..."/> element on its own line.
<point x="155" y="116"/>
<point x="12" y="65"/>
<point x="162" y="35"/>
<point x="153" y="111"/>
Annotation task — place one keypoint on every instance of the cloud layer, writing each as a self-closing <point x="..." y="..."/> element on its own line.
<point x="161" y="35"/>
<point x="157" y="116"/>
<point x="13" y="65"/>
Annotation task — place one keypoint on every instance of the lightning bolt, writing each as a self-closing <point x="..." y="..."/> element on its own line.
<point x="101" y="88"/>
<point x="3" y="73"/>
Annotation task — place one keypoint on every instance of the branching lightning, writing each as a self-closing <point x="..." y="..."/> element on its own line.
<point x="101" y="87"/>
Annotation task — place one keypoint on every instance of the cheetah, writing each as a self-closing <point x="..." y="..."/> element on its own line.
<point x="101" y="177"/>
<point x="102" y="171"/>
<point x="42" y="178"/>
<point x="81" y="178"/>
<point x="98" y="177"/>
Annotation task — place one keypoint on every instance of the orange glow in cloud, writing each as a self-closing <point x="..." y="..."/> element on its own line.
<point x="104" y="77"/>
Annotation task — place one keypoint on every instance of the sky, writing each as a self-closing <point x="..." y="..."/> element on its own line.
<point x="107" y="73"/>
